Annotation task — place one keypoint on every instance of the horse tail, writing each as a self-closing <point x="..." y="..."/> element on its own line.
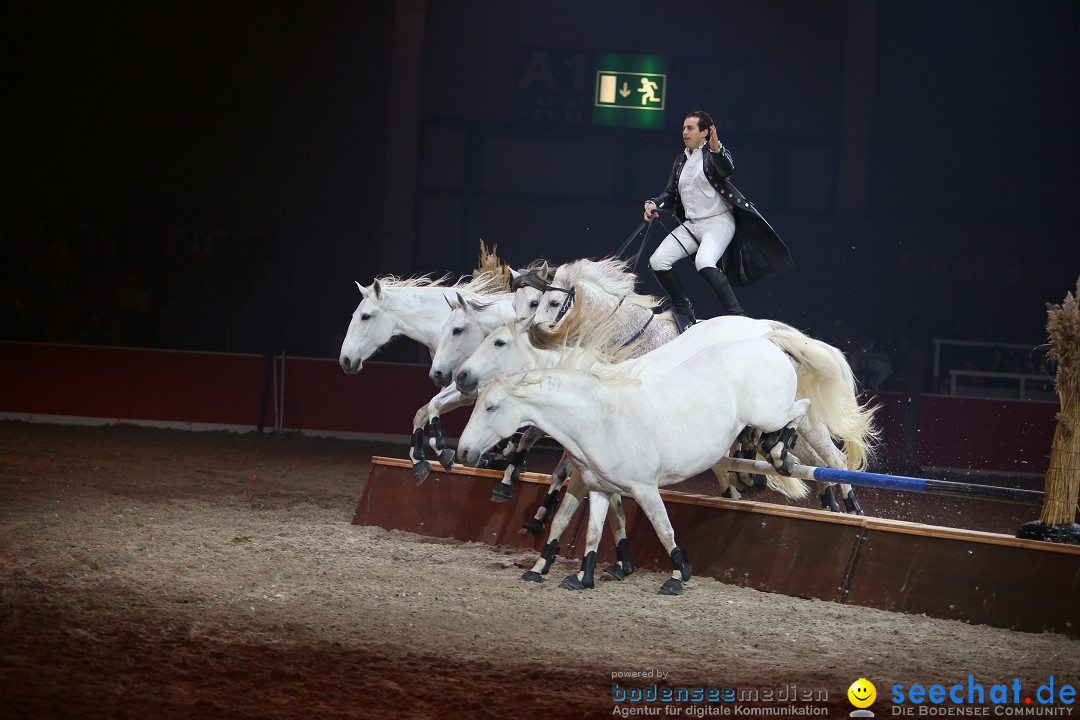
<point x="825" y="378"/>
<point x="789" y="487"/>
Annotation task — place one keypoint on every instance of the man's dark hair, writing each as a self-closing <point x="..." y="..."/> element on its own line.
<point x="704" y="120"/>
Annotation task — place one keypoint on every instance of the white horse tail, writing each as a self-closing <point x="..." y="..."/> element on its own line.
<point x="789" y="487"/>
<point x="825" y="378"/>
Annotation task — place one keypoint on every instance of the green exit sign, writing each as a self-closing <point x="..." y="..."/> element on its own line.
<point x="636" y="91"/>
<point x="631" y="90"/>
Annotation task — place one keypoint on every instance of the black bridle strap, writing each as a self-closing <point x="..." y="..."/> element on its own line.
<point x="640" y="332"/>
<point x="567" y="303"/>
<point x="634" y="259"/>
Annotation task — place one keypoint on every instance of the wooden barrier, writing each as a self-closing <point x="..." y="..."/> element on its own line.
<point x="976" y="577"/>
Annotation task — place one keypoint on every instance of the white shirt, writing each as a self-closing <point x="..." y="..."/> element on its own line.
<point x="700" y="199"/>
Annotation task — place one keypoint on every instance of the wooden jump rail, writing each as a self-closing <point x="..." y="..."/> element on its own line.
<point x="968" y="575"/>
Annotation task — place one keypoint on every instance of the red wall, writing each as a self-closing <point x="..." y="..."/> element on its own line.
<point x="220" y="388"/>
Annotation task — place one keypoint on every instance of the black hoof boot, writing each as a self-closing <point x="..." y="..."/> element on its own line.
<point x="828" y="501"/>
<point x="672" y="586"/>
<point x="502" y="492"/>
<point x="588" y="570"/>
<point x="446" y="459"/>
<point x="438" y="437"/>
<point x="681" y="563"/>
<point x="421" y="470"/>
<point x="533" y="576"/>
<point x="1066" y="533"/>
<point x="852" y="505"/>
<point x="622" y="552"/>
<point x="615" y="571"/>
<point x="548" y="555"/>
<point x="493" y="461"/>
<point x="532" y="527"/>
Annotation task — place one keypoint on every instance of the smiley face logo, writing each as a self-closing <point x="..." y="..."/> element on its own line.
<point x="862" y="693"/>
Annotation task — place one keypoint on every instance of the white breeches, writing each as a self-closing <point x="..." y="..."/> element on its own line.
<point x="715" y="234"/>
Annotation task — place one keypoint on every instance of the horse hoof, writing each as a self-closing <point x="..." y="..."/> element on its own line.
<point x="493" y="461"/>
<point x="532" y="528"/>
<point x="615" y="570"/>
<point x="673" y="586"/>
<point x="421" y="470"/>
<point x="785" y="466"/>
<point x="572" y="583"/>
<point x="446" y="459"/>
<point x="533" y="576"/>
<point x="502" y="492"/>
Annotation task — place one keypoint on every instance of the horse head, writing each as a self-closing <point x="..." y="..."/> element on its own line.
<point x="460" y="335"/>
<point x="371" y="327"/>
<point x="504" y="350"/>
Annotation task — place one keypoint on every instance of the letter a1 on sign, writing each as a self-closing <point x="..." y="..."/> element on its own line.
<point x="631" y="90"/>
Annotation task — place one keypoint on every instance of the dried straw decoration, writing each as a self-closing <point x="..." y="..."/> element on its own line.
<point x="1063" y="476"/>
<point x="490" y="264"/>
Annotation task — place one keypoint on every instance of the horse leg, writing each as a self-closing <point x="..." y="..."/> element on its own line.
<point x="543" y="515"/>
<point x="505" y="489"/>
<point x="421" y="467"/>
<point x="850" y="503"/>
<point x="623" y="566"/>
<point x="575" y="490"/>
<point x="585" y="578"/>
<point x="775" y="445"/>
<point x="448" y="399"/>
<point x="817" y="438"/>
<point x="648" y="498"/>
<point x="748" y="484"/>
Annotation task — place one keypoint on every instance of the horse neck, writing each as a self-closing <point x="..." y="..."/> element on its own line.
<point x="569" y="414"/>
<point x="629" y="318"/>
<point x="421" y="312"/>
<point x="498" y="313"/>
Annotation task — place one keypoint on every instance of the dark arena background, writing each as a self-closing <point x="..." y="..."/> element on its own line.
<point x="202" y="515"/>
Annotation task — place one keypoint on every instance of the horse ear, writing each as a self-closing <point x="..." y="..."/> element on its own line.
<point x="363" y="292"/>
<point x="377" y="288"/>
<point x="514" y="274"/>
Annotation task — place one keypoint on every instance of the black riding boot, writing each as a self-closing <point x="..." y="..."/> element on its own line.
<point x="680" y="304"/>
<point x="719" y="283"/>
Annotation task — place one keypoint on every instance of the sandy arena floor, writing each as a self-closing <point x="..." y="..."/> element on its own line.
<point x="166" y="574"/>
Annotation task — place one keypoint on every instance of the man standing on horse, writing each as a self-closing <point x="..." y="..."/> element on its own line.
<point x="732" y="241"/>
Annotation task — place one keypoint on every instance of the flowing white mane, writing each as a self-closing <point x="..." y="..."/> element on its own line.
<point x="592" y="323"/>
<point x="612" y="276"/>
<point x="483" y="283"/>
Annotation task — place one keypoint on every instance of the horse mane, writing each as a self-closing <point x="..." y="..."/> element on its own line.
<point x="588" y="327"/>
<point x="416" y="281"/>
<point x="537" y="275"/>
<point x="613" y="276"/>
<point x="612" y="376"/>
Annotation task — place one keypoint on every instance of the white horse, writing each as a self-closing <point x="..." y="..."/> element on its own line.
<point x="508" y="350"/>
<point x="724" y="388"/>
<point x="588" y="281"/>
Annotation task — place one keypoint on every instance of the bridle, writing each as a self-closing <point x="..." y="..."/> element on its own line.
<point x="567" y="303"/>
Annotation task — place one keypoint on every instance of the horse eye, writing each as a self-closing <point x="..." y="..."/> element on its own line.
<point x="553" y="303"/>
<point x="365" y="316"/>
<point x="458" y="330"/>
<point x="534" y="304"/>
<point x="500" y="343"/>
<point x="491" y="408"/>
